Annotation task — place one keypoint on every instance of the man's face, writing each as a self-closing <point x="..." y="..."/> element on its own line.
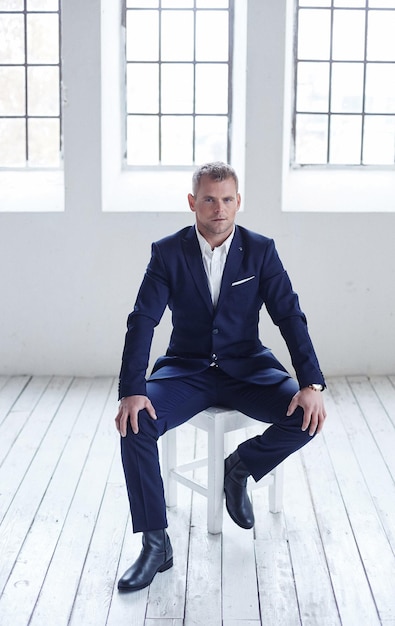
<point x="215" y="206"/>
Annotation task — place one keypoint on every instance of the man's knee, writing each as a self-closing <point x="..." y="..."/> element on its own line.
<point x="148" y="428"/>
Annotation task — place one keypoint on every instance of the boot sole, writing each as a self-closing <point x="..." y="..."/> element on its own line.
<point x="166" y="566"/>
<point x="162" y="568"/>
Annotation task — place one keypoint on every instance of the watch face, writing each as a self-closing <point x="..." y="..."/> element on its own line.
<point x="317" y="387"/>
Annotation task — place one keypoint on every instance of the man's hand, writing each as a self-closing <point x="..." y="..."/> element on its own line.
<point x="129" y="409"/>
<point x="314" y="413"/>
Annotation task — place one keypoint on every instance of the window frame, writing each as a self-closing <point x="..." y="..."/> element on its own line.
<point x="32" y="188"/>
<point x="322" y="188"/>
<point x="125" y="189"/>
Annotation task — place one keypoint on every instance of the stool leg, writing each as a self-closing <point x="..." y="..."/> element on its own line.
<point x="215" y="475"/>
<point x="169" y="462"/>
<point x="276" y="490"/>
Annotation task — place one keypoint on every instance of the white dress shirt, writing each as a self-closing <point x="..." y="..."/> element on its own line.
<point x="214" y="262"/>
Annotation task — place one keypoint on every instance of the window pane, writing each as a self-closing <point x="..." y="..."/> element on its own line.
<point x="382" y="4"/>
<point x="143" y="140"/>
<point x="311" y="138"/>
<point x="212" y="36"/>
<point x="42" y="5"/>
<point x="12" y="91"/>
<point x="212" y="4"/>
<point x="379" y="140"/>
<point x="43" y="137"/>
<point x="12" y="143"/>
<point x="380" y="88"/>
<point x="347" y="87"/>
<point x="142" y="4"/>
<point x="177" y="36"/>
<point x="211" y="88"/>
<point x="142" y="36"/>
<point x="314" y="34"/>
<point x="177" y="88"/>
<point x="43" y="91"/>
<point x="177" y="139"/>
<point x="42" y="38"/>
<point x="12" y="41"/>
<point x="313" y="87"/>
<point x="11" y="5"/>
<point x="142" y="88"/>
<point x="317" y="3"/>
<point x="211" y="139"/>
<point x="345" y="139"/>
<point x="349" y="3"/>
<point x="381" y="36"/>
<point x="177" y="4"/>
<point x="346" y="47"/>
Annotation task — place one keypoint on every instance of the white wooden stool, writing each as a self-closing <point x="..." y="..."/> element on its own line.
<point x="216" y="421"/>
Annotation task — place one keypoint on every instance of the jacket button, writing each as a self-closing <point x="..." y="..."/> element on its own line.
<point x="215" y="331"/>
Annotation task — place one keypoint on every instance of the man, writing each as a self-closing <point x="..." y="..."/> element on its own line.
<point x="215" y="277"/>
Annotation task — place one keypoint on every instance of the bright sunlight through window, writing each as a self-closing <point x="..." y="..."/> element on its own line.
<point x="345" y="83"/>
<point x="178" y="55"/>
<point x="29" y="84"/>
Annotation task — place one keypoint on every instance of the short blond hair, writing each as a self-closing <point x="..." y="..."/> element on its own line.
<point x="217" y="170"/>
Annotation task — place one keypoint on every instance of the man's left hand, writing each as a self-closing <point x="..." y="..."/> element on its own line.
<point x="312" y="403"/>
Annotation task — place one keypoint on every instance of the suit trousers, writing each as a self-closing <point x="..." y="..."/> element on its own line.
<point x="178" y="399"/>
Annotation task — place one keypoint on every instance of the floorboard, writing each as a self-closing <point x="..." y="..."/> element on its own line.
<point x="328" y="559"/>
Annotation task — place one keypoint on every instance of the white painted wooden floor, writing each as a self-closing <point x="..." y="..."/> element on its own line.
<point x="65" y="537"/>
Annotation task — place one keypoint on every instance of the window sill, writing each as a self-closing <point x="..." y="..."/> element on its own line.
<point x="32" y="191"/>
<point x="353" y="190"/>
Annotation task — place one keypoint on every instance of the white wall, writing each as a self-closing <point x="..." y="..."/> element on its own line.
<point x="68" y="280"/>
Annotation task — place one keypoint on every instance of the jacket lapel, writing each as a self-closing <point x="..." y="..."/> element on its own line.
<point x="194" y="261"/>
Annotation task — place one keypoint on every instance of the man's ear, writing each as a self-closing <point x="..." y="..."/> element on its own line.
<point x="238" y="197"/>
<point x="191" y="201"/>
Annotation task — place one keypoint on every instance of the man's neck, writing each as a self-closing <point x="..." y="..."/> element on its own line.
<point x="215" y="241"/>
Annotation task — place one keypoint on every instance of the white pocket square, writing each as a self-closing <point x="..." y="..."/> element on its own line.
<point x="243" y="280"/>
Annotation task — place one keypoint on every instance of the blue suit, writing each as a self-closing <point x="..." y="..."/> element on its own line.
<point x="214" y="356"/>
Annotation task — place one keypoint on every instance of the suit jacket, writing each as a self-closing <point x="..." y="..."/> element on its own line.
<point x="226" y="334"/>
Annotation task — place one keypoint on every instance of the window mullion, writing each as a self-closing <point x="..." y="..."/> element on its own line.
<point x="365" y="53"/>
<point x="26" y="83"/>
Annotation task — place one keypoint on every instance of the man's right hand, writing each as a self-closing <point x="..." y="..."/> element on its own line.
<point x="129" y="409"/>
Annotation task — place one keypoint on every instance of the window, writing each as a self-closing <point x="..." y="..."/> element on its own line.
<point x="178" y="79"/>
<point x="345" y="83"/>
<point x="135" y="177"/>
<point x="30" y="121"/>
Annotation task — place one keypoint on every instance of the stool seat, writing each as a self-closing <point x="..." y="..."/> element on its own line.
<point x="215" y="421"/>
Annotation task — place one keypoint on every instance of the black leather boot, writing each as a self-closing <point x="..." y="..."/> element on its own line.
<point x="235" y="485"/>
<point x="156" y="556"/>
